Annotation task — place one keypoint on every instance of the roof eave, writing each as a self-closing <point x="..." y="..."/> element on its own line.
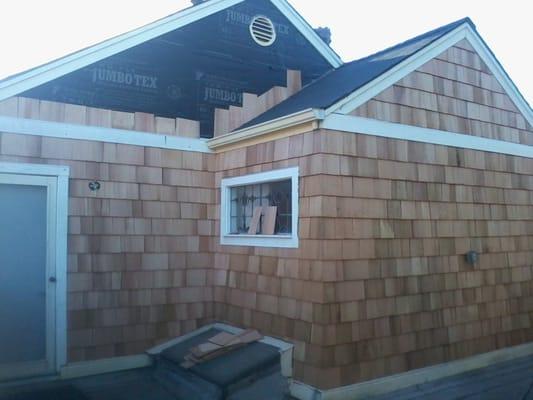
<point x="55" y="69"/>
<point x="387" y="79"/>
<point x="464" y="31"/>
<point x="327" y="52"/>
<point x="266" y="128"/>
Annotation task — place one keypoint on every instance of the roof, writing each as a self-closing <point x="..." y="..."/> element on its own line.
<point x="34" y="77"/>
<point x="341" y="82"/>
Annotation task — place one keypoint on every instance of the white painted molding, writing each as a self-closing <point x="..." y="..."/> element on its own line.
<point x="309" y="33"/>
<point x="387" y="79"/>
<point x="266" y="128"/>
<point x="465" y="31"/>
<point x="82" y="132"/>
<point x="392" y="383"/>
<point x="55" y="69"/>
<point x="274" y="241"/>
<point x="34" y="169"/>
<point x="108" y="365"/>
<point x="61" y="265"/>
<point x="501" y="76"/>
<point x="367" y="126"/>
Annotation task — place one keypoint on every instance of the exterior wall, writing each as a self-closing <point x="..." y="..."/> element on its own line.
<point x="394" y="222"/>
<point x="454" y="92"/>
<point x="380" y="284"/>
<point x="139" y="262"/>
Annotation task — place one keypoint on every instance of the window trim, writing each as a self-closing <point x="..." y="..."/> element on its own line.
<point x="280" y="241"/>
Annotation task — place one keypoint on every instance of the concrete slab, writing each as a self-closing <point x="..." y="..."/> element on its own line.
<point x="512" y="380"/>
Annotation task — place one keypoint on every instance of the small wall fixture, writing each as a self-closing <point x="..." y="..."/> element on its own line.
<point x="472" y="257"/>
<point x="94" y="186"/>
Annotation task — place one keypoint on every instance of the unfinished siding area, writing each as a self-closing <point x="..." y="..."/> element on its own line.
<point x="139" y="265"/>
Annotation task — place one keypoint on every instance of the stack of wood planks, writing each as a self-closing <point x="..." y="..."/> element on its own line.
<point x="219" y="345"/>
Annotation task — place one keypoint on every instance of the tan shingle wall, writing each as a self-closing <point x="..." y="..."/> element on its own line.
<point x="380" y="284"/>
<point x="454" y="92"/>
<point x="139" y="250"/>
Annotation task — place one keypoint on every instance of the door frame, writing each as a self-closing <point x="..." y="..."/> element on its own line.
<point x="57" y="243"/>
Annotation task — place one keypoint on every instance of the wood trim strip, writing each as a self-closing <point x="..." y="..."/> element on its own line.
<point x="392" y="383"/>
<point x="347" y="123"/>
<point x="98" y="134"/>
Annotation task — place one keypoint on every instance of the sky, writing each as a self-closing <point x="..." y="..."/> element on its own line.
<point x="33" y="32"/>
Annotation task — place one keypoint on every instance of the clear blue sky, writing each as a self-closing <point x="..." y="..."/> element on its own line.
<point x="35" y="31"/>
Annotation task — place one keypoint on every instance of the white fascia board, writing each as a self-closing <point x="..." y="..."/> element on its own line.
<point x="327" y="52"/>
<point x="34" y="169"/>
<point x="367" y="126"/>
<point x="33" y="127"/>
<point x="499" y="73"/>
<point x="265" y="128"/>
<point x="55" y="69"/>
<point x="389" y="78"/>
<point x="465" y="31"/>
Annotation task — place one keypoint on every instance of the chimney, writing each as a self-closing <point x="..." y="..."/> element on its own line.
<point x="196" y="2"/>
<point x="324" y="33"/>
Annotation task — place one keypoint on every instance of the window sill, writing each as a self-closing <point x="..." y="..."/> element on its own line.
<point x="279" y="241"/>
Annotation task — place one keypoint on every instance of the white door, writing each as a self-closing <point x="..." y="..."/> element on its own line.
<point x="28" y="210"/>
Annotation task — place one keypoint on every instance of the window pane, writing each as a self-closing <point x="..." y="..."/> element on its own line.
<point x="245" y="199"/>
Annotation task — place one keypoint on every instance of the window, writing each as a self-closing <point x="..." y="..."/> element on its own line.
<point x="260" y="209"/>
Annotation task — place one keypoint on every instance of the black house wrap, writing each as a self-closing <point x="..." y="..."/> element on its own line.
<point x="192" y="70"/>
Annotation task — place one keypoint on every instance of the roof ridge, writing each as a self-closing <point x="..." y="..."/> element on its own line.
<point x="444" y="28"/>
<point x="434" y="35"/>
<point x="413" y="39"/>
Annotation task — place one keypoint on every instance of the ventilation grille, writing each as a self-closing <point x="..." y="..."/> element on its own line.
<point x="263" y="31"/>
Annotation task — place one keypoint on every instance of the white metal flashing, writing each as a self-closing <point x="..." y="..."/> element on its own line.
<point x="308" y="32"/>
<point x="105" y="366"/>
<point x="387" y="79"/>
<point x="367" y="126"/>
<point x="384" y="81"/>
<point x="82" y="132"/>
<point x="266" y="128"/>
<point x="55" y="69"/>
<point x="392" y="383"/>
<point x="501" y="76"/>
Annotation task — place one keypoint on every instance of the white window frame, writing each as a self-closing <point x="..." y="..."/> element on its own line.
<point x="281" y="241"/>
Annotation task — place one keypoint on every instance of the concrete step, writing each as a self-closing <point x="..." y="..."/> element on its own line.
<point x="252" y="371"/>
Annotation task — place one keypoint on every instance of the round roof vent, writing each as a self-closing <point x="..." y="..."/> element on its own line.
<point x="263" y="31"/>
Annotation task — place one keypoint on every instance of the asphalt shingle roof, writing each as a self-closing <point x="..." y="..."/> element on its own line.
<point x="341" y="82"/>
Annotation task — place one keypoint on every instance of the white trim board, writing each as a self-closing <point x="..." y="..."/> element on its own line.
<point x="367" y="126"/>
<point x="266" y="128"/>
<point x="309" y="33"/>
<point x="273" y="241"/>
<point x="94" y="133"/>
<point x="392" y="383"/>
<point x="55" y="69"/>
<point x="417" y="60"/>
